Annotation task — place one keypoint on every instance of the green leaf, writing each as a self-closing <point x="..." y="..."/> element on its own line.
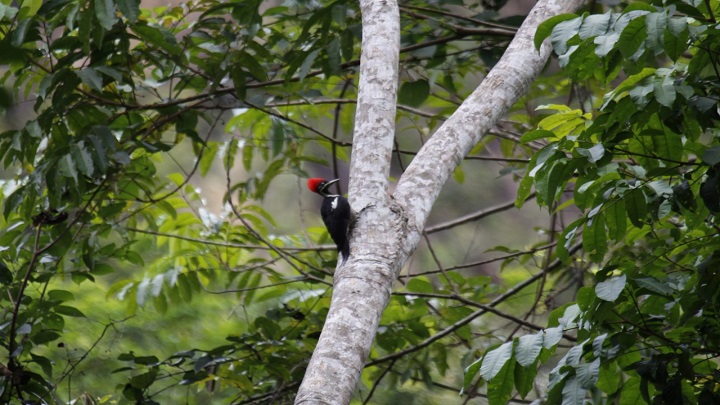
<point x="44" y="337"/>
<point x="105" y="13"/>
<point x="90" y="78"/>
<point x="656" y="23"/>
<point x="676" y="38"/>
<point x="594" y="238"/>
<point x="6" y="276"/>
<point x="609" y="290"/>
<point x="143" y="381"/>
<point x="420" y="285"/>
<point x="636" y="206"/>
<point x="251" y="65"/>
<point x="495" y="359"/>
<point x="68" y="311"/>
<point x="605" y="43"/>
<point x="562" y="33"/>
<point x="333" y="57"/>
<point x="130" y="9"/>
<point x="44" y="363"/>
<point x="632" y="37"/>
<point x="711" y="156"/>
<point x="28" y="9"/>
<point x="553" y="182"/>
<point x="546" y="27"/>
<point x="594" y="25"/>
<point x="157" y="36"/>
<point x="67" y="168"/>
<point x="654" y="285"/>
<point x="347" y="39"/>
<point x="537" y="134"/>
<point x="277" y="137"/>
<point x="592" y="154"/>
<point x="528" y="348"/>
<point x="82" y="158"/>
<point x="524" y="189"/>
<point x="608" y="379"/>
<point x="524" y="379"/>
<point x="8" y="12"/>
<point x="413" y="94"/>
<point x="307" y="63"/>
<point x="500" y="388"/>
<point x="60" y="295"/>
<point x="616" y="219"/>
<point x="19" y="33"/>
<point x="587" y="374"/>
<point x="573" y="393"/>
<point x="630" y="393"/>
<point x="208" y="157"/>
<point x="664" y="87"/>
<point x="566" y="239"/>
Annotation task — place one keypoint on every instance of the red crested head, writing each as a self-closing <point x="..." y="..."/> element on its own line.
<point x="320" y="186"/>
<point x="315" y="183"/>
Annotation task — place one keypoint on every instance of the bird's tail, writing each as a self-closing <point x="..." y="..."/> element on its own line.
<point x="345" y="252"/>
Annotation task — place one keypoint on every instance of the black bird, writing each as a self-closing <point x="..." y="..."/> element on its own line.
<point x="336" y="214"/>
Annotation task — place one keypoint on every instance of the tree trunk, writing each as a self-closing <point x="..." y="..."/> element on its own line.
<point x="388" y="228"/>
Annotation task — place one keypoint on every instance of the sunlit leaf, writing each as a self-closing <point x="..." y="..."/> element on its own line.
<point x="609" y="290"/>
<point x="494" y="360"/>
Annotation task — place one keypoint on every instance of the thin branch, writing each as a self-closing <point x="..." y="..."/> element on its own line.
<point x="231" y="245"/>
<point x="378" y="380"/>
<point x="488" y="308"/>
<point x="462" y="322"/>
<point x="459" y="17"/>
<point x="473" y="216"/>
<point x="13" y="364"/>
<point x="71" y="367"/>
<point x="483" y="262"/>
<point x="462" y="30"/>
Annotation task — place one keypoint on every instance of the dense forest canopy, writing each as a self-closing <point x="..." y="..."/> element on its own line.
<point x="158" y="244"/>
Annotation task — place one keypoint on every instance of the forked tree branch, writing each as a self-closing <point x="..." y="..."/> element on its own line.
<point x="388" y="229"/>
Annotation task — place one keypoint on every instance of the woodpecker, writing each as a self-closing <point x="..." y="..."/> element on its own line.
<point x="335" y="212"/>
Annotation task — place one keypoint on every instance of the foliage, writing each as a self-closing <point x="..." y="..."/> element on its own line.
<point x="130" y="105"/>
<point x="641" y="166"/>
<point x="102" y="205"/>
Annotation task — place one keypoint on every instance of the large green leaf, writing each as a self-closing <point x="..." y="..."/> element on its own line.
<point x="105" y="13"/>
<point x="632" y="37"/>
<point x="546" y="27"/>
<point x="414" y="93"/>
<point x="500" y="388"/>
<point x="158" y="36"/>
<point x="528" y="349"/>
<point x="495" y="359"/>
<point x="573" y="393"/>
<point x="594" y="25"/>
<point x="610" y="289"/>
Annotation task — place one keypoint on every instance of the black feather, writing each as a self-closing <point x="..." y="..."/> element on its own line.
<point x="337" y="222"/>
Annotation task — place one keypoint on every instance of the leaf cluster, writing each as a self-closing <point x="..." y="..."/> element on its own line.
<point x="641" y="169"/>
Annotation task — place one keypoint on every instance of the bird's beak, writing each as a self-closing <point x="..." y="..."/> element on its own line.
<point x="327" y="185"/>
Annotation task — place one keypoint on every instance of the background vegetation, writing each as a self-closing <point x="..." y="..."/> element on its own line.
<point x="158" y="244"/>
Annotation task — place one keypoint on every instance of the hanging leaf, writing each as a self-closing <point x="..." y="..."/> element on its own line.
<point x="610" y="289"/>
<point x="413" y="94"/>
<point x="546" y="27"/>
<point x="494" y="360"/>
<point x="528" y="349"/>
<point x="105" y="13"/>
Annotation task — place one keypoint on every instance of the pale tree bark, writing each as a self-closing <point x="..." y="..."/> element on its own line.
<point x="388" y="228"/>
